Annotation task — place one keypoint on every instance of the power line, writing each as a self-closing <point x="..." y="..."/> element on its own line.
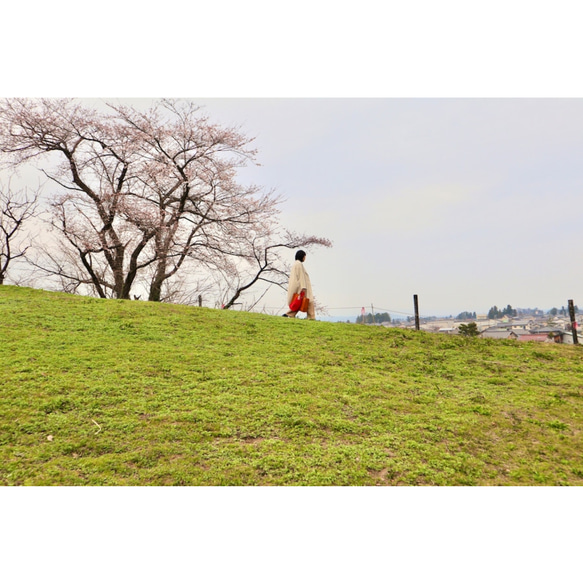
<point x="360" y="308"/>
<point x="383" y="309"/>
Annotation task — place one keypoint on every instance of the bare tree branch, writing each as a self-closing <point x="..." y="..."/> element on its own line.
<point x="16" y="208"/>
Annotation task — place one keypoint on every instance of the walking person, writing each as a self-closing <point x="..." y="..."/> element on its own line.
<point x="299" y="281"/>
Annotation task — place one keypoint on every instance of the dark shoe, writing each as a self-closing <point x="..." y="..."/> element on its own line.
<point x="285" y="316"/>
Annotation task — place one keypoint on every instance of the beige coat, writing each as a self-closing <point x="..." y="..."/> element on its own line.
<point x="298" y="280"/>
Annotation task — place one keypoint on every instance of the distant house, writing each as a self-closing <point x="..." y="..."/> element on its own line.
<point x="547" y="330"/>
<point x="520" y="332"/>
<point x="437" y="325"/>
<point x="448" y="331"/>
<point x="515" y="324"/>
<point x="504" y="333"/>
<point x="526" y="324"/>
<point x="499" y="333"/>
<point x="549" y="334"/>
<point x="485" y="324"/>
<point x="555" y="334"/>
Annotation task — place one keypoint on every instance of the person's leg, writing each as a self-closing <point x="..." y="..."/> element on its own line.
<point x="290" y="314"/>
<point x="311" y="311"/>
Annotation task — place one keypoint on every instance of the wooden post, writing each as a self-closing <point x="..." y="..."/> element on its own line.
<point x="573" y="322"/>
<point x="200" y="301"/>
<point x="416" y="303"/>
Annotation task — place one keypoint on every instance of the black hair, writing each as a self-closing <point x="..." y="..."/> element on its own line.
<point x="300" y="255"/>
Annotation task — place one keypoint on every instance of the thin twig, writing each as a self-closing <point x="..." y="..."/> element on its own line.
<point x="97" y="426"/>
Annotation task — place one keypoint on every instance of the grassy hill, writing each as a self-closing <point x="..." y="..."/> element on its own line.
<point x="106" y="392"/>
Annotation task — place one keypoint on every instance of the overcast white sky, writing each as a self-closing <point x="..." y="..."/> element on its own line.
<point x="468" y="202"/>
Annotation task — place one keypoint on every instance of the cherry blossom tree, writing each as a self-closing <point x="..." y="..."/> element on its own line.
<point x="87" y="157"/>
<point x="142" y="196"/>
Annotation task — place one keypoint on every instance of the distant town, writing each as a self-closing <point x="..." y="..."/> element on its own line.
<point x="509" y="324"/>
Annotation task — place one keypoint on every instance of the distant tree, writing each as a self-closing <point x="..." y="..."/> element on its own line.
<point x="16" y="207"/>
<point x="494" y="312"/>
<point x="470" y="329"/>
<point x="553" y="312"/>
<point x="466" y="316"/>
<point x="377" y="319"/>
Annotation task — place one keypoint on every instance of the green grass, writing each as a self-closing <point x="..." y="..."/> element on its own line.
<point x="135" y="393"/>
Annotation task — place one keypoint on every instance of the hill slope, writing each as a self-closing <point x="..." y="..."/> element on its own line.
<point x="105" y="392"/>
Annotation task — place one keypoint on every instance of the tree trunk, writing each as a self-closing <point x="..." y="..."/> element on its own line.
<point x="155" y="291"/>
<point x="157" y="281"/>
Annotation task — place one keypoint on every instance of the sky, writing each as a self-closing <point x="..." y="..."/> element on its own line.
<point x="465" y="202"/>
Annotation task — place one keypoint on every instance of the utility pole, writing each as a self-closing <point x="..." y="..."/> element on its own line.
<point x="416" y="304"/>
<point x="573" y="322"/>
